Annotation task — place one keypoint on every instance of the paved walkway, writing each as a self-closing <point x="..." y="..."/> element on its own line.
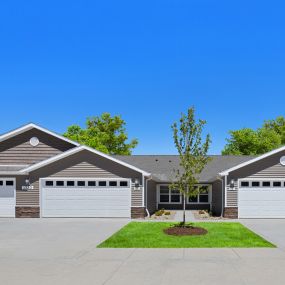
<point x="179" y="216"/>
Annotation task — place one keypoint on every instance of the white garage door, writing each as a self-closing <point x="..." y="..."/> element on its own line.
<point x="261" y="199"/>
<point x="66" y="197"/>
<point x="7" y="197"/>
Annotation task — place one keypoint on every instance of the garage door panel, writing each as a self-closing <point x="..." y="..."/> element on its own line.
<point x="87" y="213"/>
<point x="261" y="203"/>
<point x="7" y="198"/>
<point x="86" y="201"/>
<point x="55" y="204"/>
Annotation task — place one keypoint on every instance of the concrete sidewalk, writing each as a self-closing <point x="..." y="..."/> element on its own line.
<point x="63" y="252"/>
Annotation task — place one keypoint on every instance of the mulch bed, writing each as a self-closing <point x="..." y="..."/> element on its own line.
<point x="186" y="231"/>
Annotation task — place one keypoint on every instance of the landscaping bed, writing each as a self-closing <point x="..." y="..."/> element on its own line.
<point x="152" y="235"/>
<point x="163" y="214"/>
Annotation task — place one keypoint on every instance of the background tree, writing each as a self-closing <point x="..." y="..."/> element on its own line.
<point x="187" y="135"/>
<point x="247" y="141"/>
<point x="104" y="133"/>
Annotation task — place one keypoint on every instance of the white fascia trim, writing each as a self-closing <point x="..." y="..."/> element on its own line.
<point x="31" y="126"/>
<point x="226" y="172"/>
<point x="12" y="173"/>
<point x="76" y="150"/>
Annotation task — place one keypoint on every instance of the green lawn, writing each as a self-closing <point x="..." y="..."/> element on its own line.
<point x="151" y="235"/>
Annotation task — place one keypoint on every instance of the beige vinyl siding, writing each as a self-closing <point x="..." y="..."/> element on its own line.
<point x="275" y="171"/>
<point x="17" y="150"/>
<point x="232" y="195"/>
<point x="26" y="154"/>
<point x="27" y="198"/>
<point x="137" y="196"/>
<point x="84" y="169"/>
<point x="85" y="165"/>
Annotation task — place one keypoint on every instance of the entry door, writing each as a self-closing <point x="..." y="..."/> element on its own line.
<point x="7" y="197"/>
<point x="67" y="197"/>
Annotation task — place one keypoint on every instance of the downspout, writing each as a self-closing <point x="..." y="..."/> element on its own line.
<point x="146" y="183"/>
<point x="223" y="192"/>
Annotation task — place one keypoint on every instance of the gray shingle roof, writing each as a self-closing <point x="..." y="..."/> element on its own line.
<point x="162" y="166"/>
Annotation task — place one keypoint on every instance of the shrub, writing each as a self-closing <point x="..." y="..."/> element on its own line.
<point x="159" y="213"/>
<point x="167" y="213"/>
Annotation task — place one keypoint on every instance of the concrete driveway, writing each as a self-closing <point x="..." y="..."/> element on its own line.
<point x="63" y="251"/>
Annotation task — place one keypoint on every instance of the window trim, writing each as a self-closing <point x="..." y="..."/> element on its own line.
<point x="261" y="181"/>
<point x="187" y="200"/>
<point x="198" y="196"/>
<point x="169" y="196"/>
<point x="128" y="181"/>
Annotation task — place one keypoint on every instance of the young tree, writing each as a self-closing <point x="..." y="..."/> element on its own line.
<point x="192" y="151"/>
<point x="104" y="133"/>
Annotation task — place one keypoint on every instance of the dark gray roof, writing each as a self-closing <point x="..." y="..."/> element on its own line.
<point x="162" y="166"/>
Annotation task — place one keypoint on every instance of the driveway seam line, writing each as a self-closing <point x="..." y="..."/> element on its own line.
<point x="119" y="267"/>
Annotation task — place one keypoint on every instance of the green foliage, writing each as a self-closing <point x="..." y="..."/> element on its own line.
<point x="151" y="235"/>
<point x="104" y="133"/>
<point x="192" y="151"/>
<point x="247" y="141"/>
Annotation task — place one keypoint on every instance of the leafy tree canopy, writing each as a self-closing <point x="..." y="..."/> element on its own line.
<point x="247" y="141"/>
<point x="104" y="133"/>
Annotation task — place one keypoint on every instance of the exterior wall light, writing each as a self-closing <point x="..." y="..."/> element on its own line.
<point x="137" y="183"/>
<point x="232" y="183"/>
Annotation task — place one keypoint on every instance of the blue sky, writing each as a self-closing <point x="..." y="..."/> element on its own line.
<point x="62" y="61"/>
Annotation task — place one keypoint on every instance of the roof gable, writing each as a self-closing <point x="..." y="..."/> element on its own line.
<point x="256" y="159"/>
<point x="34" y="126"/>
<point x="79" y="149"/>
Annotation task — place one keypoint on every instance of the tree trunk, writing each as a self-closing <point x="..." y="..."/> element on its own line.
<point x="184" y="210"/>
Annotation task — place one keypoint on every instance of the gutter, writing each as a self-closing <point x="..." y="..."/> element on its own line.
<point x="147" y="180"/>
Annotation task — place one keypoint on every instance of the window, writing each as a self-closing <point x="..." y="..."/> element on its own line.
<point x="202" y="195"/>
<point x="1" y="183"/>
<point x="124" y="183"/>
<point x="175" y="196"/>
<point x="113" y="183"/>
<point x="81" y="183"/>
<point x="9" y="183"/>
<point x="266" y="184"/>
<point x="70" y="183"/>
<point x="277" y="184"/>
<point x="244" y="184"/>
<point x="166" y="196"/>
<point x="91" y="183"/>
<point x="49" y="183"/>
<point x="255" y="184"/>
<point x="102" y="183"/>
<point x="59" y="183"/>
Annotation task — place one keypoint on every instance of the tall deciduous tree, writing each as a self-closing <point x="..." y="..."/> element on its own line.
<point x="247" y="141"/>
<point x="192" y="149"/>
<point x="105" y="133"/>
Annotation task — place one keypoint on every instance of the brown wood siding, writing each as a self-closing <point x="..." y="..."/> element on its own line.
<point x="84" y="169"/>
<point x="17" y="150"/>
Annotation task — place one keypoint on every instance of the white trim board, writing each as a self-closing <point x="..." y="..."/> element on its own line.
<point x="34" y="126"/>
<point x="275" y="151"/>
<point x="76" y="150"/>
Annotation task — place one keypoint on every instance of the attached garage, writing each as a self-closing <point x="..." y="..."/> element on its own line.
<point x="261" y="198"/>
<point x="102" y="198"/>
<point x="7" y="197"/>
